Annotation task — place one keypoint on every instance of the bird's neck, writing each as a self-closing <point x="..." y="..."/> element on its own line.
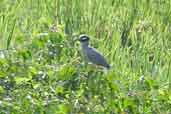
<point x="85" y="45"/>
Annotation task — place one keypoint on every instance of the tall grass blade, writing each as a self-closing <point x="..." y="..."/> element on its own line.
<point x="11" y="35"/>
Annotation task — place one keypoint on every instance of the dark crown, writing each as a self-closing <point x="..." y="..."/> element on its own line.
<point x="83" y="38"/>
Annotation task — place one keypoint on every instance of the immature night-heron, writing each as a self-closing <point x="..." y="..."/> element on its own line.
<point x="92" y="54"/>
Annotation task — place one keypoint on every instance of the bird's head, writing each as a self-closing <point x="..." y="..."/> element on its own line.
<point x="84" y="38"/>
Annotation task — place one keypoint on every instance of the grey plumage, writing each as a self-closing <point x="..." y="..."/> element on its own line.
<point x="92" y="54"/>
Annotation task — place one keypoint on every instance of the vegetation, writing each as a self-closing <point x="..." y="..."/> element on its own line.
<point x="42" y="70"/>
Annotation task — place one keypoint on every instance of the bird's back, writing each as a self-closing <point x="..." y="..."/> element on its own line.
<point x="96" y="58"/>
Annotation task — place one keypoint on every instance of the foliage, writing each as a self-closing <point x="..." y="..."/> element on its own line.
<point x="42" y="70"/>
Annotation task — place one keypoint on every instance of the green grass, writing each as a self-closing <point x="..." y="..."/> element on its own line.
<point x="42" y="70"/>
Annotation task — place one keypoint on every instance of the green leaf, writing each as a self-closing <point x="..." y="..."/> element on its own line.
<point x="21" y="80"/>
<point x="1" y="89"/>
<point x="2" y="74"/>
<point x="63" y="109"/>
<point x="66" y="72"/>
<point x="56" y="38"/>
<point x="59" y="89"/>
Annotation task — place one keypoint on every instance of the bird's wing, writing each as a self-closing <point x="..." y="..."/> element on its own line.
<point x="95" y="57"/>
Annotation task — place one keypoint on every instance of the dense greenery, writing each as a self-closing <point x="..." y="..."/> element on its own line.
<point x="42" y="70"/>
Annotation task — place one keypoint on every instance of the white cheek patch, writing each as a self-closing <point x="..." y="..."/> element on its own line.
<point x="84" y="38"/>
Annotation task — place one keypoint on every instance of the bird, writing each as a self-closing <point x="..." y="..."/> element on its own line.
<point x="91" y="53"/>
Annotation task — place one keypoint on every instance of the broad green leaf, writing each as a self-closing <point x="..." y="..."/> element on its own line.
<point x="21" y="80"/>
